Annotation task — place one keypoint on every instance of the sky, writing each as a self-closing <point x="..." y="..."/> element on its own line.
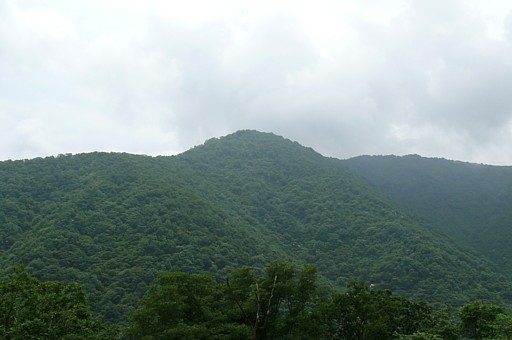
<point x="344" y="77"/>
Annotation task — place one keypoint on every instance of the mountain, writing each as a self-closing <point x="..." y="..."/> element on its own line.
<point x="112" y="221"/>
<point x="472" y="203"/>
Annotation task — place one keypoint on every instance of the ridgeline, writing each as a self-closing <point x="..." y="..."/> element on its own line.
<point x="111" y="222"/>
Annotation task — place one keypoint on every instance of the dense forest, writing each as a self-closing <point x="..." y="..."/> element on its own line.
<point x="283" y="303"/>
<point x="115" y="224"/>
<point x="472" y="203"/>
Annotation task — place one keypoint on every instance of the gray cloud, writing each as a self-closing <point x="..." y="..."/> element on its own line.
<point x="409" y="77"/>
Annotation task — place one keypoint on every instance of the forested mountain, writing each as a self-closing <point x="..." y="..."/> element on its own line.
<point x="112" y="221"/>
<point x="472" y="203"/>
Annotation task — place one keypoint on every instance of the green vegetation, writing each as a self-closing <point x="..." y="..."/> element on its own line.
<point x="471" y="203"/>
<point x="31" y="309"/>
<point x="281" y="303"/>
<point x="112" y="222"/>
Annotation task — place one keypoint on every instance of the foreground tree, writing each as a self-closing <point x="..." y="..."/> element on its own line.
<point x="184" y="306"/>
<point x="279" y="305"/>
<point x="366" y="313"/>
<point x="285" y="303"/>
<point x="31" y="309"/>
<point x="445" y="324"/>
<point x="503" y="326"/>
<point x="478" y="320"/>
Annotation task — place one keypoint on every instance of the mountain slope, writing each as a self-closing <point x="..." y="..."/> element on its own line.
<point x="472" y="203"/>
<point x="111" y="221"/>
<point x="336" y="220"/>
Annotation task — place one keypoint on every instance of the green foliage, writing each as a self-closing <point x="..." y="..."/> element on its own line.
<point x="31" y="309"/>
<point x="445" y="324"/>
<point x="477" y="320"/>
<point x="283" y="304"/>
<point x="503" y="327"/>
<point x="183" y="305"/>
<point x="420" y="336"/>
<point x="366" y="313"/>
<point x="472" y="203"/>
<point x="111" y="222"/>
<point x="283" y="300"/>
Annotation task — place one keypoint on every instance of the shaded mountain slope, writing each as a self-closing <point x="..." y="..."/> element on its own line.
<point x="472" y="203"/>
<point x="111" y="221"/>
<point x="332" y="218"/>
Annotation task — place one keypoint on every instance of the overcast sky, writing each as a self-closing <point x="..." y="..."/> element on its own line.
<point x="343" y="77"/>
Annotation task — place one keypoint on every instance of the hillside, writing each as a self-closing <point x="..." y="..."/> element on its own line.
<point x="112" y="221"/>
<point x="472" y="203"/>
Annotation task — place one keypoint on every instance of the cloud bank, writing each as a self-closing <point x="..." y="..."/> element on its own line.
<point x="344" y="77"/>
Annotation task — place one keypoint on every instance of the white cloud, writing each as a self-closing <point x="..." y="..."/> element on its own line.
<point x="345" y="77"/>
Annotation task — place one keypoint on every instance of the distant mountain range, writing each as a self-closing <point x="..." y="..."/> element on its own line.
<point x="430" y="229"/>
<point x="472" y="203"/>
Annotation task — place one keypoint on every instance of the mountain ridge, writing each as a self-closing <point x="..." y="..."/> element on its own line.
<point x="470" y="202"/>
<point x="111" y="221"/>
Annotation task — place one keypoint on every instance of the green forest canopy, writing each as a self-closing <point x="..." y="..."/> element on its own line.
<point x="281" y="303"/>
<point x="112" y="222"/>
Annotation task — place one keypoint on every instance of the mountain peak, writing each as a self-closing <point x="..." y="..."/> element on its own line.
<point x="252" y="144"/>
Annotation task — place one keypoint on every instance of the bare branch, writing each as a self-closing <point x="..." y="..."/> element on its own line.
<point x="269" y="307"/>
<point x="258" y="301"/>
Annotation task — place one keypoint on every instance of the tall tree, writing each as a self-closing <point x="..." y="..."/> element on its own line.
<point x="367" y="313"/>
<point x="31" y="309"/>
<point x="183" y="305"/>
<point x="477" y="320"/>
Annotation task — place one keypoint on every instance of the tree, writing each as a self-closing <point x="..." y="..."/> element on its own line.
<point x="445" y="325"/>
<point x="420" y="336"/>
<point x="280" y="304"/>
<point x="367" y="313"/>
<point x="503" y="326"/>
<point x="182" y="305"/>
<point x="477" y="319"/>
<point x="31" y="309"/>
